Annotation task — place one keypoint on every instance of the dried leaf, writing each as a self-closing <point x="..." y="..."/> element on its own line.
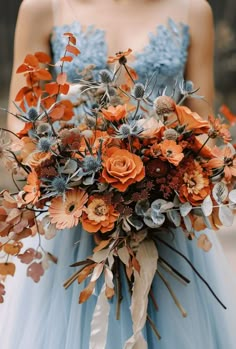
<point x="110" y="292"/>
<point x="87" y="292"/>
<point x="66" y="59"/>
<point x="124" y="255"/>
<point x="35" y="271"/>
<point x="204" y="243"/>
<point x="85" y="272"/>
<point x="72" y="49"/>
<point x="97" y="272"/>
<point x="2" y="293"/>
<point x="135" y="264"/>
<point x="100" y="256"/>
<point x="43" y="57"/>
<point x="43" y="74"/>
<point x="62" y="78"/>
<point x="13" y="249"/>
<point x="102" y="245"/>
<point x="7" y="269"/>
<point x="29" y="255"/>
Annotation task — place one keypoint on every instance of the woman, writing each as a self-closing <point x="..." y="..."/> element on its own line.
<point x="44" y="315"/>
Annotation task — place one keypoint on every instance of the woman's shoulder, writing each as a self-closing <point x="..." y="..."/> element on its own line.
<point x="35" y="9"/>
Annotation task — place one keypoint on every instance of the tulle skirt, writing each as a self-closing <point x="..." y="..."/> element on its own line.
<point x="46" y="316"/>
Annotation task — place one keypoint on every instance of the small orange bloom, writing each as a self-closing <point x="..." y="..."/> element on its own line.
<point x="32" y="188"/>
<point x="66" y="213"/>
<point x="224" y="158"/>
<point x="191" y="120"/>
<point x="99" y="216"/>
<point x="171" y="151"/>
<point x="196" y="185"/>
<point x="114" y="113"/>
<point x="122" y="168"/>
<point x="119" y="56"/>
<point x="218" y="129"/>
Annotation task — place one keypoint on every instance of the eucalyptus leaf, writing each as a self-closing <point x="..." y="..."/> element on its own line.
<point x="188" y="223"/>
<point x="226" y="216"/>
<point x="232" y="196"/>
<point x="149" y="222"/>
<point x="174" y="217"/>
<point x="207" y="206"/>
<point x="135" y="222"/>
<point x="220" y="192"/>
<point x="141" y="207"/>
<point x="185" y="209"/>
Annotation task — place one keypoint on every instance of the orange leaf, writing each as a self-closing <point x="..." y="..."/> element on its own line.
<point x="52" y="88"/>
<point x="103" y="244"/>
<point x="23" y="234"/>
<point x="23" y="68"/>
<point x="72" y="49"/>
<point x="87" y="292"/>
<point x="57" y="113"/>
<point x="109" y="292"/>
<point x="85" y="272"/>
<point x="13" y="249"/>
<point x="24" y="132"/>
<point x="61" y="78"/>
<point x="66" y="59"/>
<point x="43" y="57"/>
<point x="22" y="92"/>
<point x="31" y="60"/>
<point x="64" y="89"/>
<point x="72" y="38"/>
<point x="43" y="74"/>
<point x="7" y="269"/>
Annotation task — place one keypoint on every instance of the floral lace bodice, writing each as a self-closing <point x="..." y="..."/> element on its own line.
<point x="165" y="53"/>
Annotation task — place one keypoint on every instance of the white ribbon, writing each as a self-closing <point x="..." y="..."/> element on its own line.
<point x="99" y="324"/>
<point x="147" y="257"/>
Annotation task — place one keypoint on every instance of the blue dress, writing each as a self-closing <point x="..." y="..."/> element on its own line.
<point x="45" y="316"/>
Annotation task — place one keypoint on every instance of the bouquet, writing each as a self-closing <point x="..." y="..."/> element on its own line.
<point x="125" y="164"/>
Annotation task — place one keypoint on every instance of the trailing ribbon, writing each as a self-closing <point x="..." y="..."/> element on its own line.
<point x="99" y="324"/>
<point x="147" y="257"/>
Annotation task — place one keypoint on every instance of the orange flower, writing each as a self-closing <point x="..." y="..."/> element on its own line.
<point x="32" y="188"/>
<point x="191" y="120"/>
<point x="151" y="127"/>
<point x="196" y="185"/>
<point x="120" y="56"/>
<point x="218" y="129"/>
<point x="66" y="213"/>
<point x="225" y="158"/>
<point x="171" y="151"/>
<point x="122" y="168"/>
<point x="114" y="113"/>
<point x="99" y="216"/>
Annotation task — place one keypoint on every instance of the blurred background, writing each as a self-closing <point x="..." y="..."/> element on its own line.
<point x="225" y="77"/>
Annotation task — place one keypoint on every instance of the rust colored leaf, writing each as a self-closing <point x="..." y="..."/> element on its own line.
<point x="7" y="269"/>
<point x="109" y="292"/>
<point x="31" y="60"/>
<point x="136" y="264"/>
<point x="72" y="38"/>
<point x="86" y="272"/>
<point x="64" y="89"/>
<point x="22" y="92"/>
<point x="103" y="244"/>
<point x="66" y="59"/>
<point x="35" y="271"/>
<point x="2" y="293"/>
<point x="29" y="255"/>
<point x="87" y="292"/>
<point x="13" y="249"/>
<point x="52" y="88"/>
<point x="23" y="234"/>
<point x="57" y="113"/>
<point x="23" y="68"/>
<point x="72" y="49"/>
<point x="61" y="78"/>
<point x="43" y="74"/>
<point x="43" y="57"/>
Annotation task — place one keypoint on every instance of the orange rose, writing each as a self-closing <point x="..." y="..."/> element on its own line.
<point x="99" y="216"/>
<point x="122" y="168"/>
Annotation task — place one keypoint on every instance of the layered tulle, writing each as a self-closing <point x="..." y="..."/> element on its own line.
<point x="44" y="315"/>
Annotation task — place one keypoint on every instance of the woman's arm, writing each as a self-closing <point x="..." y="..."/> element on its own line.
<point x="199" y="67"/>
<point x="33" y="28"/>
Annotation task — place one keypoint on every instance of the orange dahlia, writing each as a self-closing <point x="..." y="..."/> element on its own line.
<point x="99" y="216"/>
<point x="196" y="185"/>
<point x="66" y="213"/>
